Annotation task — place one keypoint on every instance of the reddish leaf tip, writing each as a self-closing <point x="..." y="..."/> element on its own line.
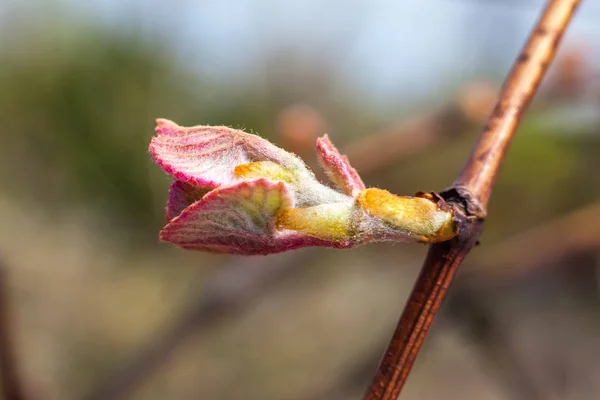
<point x="166" y="127"/>
<point x="338" y="167"/>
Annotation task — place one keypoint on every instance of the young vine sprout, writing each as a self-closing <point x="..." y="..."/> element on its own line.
<point x="235" y="192"/>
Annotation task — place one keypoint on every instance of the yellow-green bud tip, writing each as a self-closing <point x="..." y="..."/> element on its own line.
<point x="419" y="216"/>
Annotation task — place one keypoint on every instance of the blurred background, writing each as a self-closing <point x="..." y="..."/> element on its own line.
<point x="97" y="309"/>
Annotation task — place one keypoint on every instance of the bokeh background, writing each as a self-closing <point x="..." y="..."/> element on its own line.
<point x="99" y="310"/>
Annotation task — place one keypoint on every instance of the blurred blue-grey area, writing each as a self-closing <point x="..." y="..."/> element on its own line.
<point x="101" y="310"/>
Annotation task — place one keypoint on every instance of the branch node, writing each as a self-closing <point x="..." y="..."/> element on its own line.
<point x="464" y="202"/>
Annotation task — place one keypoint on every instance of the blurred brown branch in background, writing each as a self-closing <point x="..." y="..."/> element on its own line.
<point x="12" y="386"/>
<point x="469" y="196"/>
<point x="300" y="125"/>
<point x="571" y="75"/>
<point x="381" y="150"/>
<point x="465" y="310"/>
<point x="376" y="152"/>
<point x="576" y="232"/>
<point x="233" y="288"/>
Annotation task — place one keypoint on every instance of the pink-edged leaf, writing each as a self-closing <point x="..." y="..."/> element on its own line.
<point x="235" y="219"/>
<point x="240" y="219"/>
<point x="181" y="196"/>
<point x="337" y="167"/>
<point x="206" y="156"/>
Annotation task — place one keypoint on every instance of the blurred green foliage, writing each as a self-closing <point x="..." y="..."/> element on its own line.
<point x="77" y="121"/>
<point x="77" y="116"/>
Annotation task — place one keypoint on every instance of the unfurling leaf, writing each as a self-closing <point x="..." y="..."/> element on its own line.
<point x="235" y="192"/>
<point x="337" y="167"/>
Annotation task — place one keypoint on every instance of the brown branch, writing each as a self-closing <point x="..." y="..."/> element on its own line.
<point x="11" y="385"/>
<point x="469" y="197"/>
